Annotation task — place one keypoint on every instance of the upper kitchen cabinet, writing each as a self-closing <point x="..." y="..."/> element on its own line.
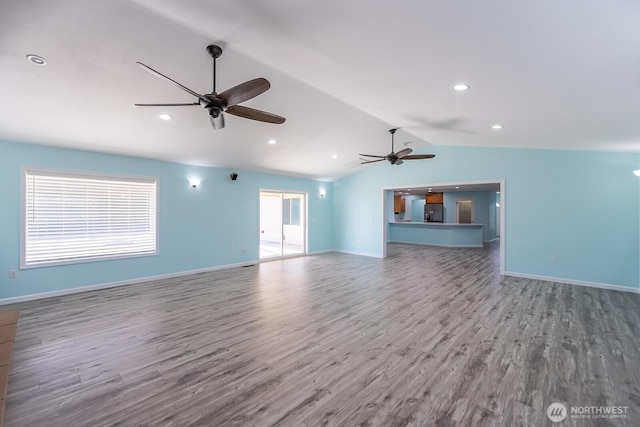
<point x="398" y="204"/>
<point x="434" y="198"/>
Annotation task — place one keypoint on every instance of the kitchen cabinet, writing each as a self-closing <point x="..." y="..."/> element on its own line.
<point x="434" y="198"/>
<point x="398" y="204"/>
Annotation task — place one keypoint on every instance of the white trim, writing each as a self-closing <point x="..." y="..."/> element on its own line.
<point x="503" y="215"/>
<point x="357" y="253"/>
<point x="281" y="257"/>
<point x="384" y="224"/>
<point x="324" y="251"/>
<point x="436" y="244"/>
<point x="306" y="222"/>
<point x="574" y="282"/>
<point x="81" y="289"/>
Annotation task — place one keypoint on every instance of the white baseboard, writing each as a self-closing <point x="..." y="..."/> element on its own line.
<point x="357" y="253"/>
<point x="61" y="292"/>
<point x="436" y="244"/>
<point x="574" y="282"/>
<point x="324" y="251"/>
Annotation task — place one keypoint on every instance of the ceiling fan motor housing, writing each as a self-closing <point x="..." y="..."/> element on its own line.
<point x="212" y="104"/>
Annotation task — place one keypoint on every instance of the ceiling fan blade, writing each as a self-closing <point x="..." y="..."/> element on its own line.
<point x="419" y="156"/>
<point x="162" y="76"/>
<point x="167" y="105"/>
<point x="371" y="161"/>
<point x="403" y="153"/>
<point x="253" y="114"/>
<point x="372" y="155"/>
<point x="217" y="121"/>
<point x="244" y="91"/>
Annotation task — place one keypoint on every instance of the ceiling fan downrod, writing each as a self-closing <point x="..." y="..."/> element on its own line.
<point x="392" y="132"/>
<point x="215" y="51"/>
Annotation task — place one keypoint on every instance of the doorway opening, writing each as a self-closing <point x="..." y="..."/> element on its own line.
<point x="487" y="209"/>
<point x="282" y="224"/>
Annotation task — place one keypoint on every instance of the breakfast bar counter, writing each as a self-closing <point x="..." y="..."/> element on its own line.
<point x="436" y="234"/>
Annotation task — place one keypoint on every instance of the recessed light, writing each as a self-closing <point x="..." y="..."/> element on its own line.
<point x="165" y="116"/>
<point x="457" y="188"/>
<point x="272" y="141"/>
<point x="461" y="87"/>
<point x="37" y="60"/>
<point x="334" y="156"/>
<point x="408" y="189"/>
<point x="497" y="126"/>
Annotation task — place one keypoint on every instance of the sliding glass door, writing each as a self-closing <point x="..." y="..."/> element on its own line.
<point x="282" y="224"/>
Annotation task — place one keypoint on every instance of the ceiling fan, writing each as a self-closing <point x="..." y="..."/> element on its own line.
<point x="396" y="158"/>
<point x="227" y="101"/>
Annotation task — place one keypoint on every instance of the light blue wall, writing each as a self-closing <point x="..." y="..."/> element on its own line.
<point x="436" y="234"/>
<point x="481" y="206"/>
<point x="417" y="208"/>
<point x="581" y="207"/>
<point x="213" y="225"/>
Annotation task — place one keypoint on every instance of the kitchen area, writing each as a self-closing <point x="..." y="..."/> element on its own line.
<point x="451" y="216"/>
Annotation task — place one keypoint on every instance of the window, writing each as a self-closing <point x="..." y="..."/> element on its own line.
<point x="291" y="211"/>
<point x="77" y="217"/>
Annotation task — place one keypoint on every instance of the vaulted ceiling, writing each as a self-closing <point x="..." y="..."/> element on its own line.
<point x="556" y="74"/>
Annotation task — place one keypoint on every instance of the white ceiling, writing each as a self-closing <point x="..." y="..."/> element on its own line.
<point x="560" y="74"/>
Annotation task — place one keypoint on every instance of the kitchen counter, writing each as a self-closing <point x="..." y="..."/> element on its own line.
<point x="436" y="234"/>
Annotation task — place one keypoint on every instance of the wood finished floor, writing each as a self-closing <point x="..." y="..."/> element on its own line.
<point x="428" y="337"/>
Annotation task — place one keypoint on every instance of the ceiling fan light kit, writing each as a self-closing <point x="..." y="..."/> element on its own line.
<point x="225" y="102"/>
<point x="393" y="157"/>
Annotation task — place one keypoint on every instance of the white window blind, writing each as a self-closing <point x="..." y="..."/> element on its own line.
<point x="71" y="217"/>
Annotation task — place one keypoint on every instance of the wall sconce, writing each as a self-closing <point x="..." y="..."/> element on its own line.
<point x="233" y="176"/>
<point x="194" y="182"/>
<point x="323" y="193"/>
<point x="636" y="172"/>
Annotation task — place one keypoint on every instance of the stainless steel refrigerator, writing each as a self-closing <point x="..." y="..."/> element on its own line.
<point x="433" y="212"/>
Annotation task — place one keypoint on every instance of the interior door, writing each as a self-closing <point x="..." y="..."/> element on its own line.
<point x="465" y="212"/>
<point x="282" y="224"/>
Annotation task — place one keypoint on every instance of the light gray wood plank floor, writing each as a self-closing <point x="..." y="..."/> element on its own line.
<point x="427" y="337"/>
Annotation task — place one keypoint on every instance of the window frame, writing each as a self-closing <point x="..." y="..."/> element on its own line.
<point x="83" y="175"/>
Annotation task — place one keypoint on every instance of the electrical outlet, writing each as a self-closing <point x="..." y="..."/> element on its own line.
<point x="13" y="274"/>
<point x="554" y="260"/>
